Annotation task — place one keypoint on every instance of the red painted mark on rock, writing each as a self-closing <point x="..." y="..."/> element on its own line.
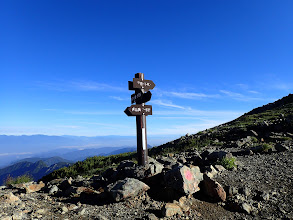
<point x="188" y="175"/>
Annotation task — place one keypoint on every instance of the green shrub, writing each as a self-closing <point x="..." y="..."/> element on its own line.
<point x="266" y="147"/>
<point x="227" y="162"/>
<point x="20" y="179"/>
<point x="254" y="139"/>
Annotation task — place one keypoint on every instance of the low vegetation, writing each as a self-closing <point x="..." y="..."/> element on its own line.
<point x="228" y="162"/>
<point x="91" y="166"/>
<point x="266" y="147"/>
<point x="20" y="179"/>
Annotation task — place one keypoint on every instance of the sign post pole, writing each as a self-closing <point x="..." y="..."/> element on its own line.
<point x="140" y="110"/>
<point x="142" y="152"/>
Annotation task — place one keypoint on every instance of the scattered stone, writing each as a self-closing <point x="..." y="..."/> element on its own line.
<point x="34" y="187"/>
<point x="155" y="167"/>
<point x="246" y="208"/>
<point x="150" y="216"/>
<point x="232" y="190"/>
<point x="281" y="147"/>
<point x="65" y="184"/>
<point x="245" y="191"/>
<point x="211" y="171"/>
<point x="213" y="189"/>
<point x="219" y="168"/>
<point x="171" y="209"/>
<point x="10" y="198"/>
<point x="184" y="203"/>
<point x="64" y="209"/>
<point x="265" y="196"/>
<point x="167" y="160"/>
<point x="82" y="211"/>
<point x="127" y="188"/>
<point x="53" y="190"/>
<point x="218" y="155"/>
<point x="41" y="211"/>
<point x="18" y="215"/>
<point x="254" y="133"/>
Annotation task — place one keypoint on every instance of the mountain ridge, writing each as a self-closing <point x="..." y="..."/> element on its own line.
<point x="264" y="124"/>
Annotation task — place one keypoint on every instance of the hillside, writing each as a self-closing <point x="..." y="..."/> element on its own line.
<point x="239" y="170"/>
<point x="36" y="168"/>
<point x="272" y="123"/>
<point x="48" y="161"/>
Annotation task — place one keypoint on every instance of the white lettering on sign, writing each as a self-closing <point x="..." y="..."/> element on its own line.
<point x="147" y="109"/>
<point x="143" y="84"/>
<point x="134" y="109"/>
<point x="136" y="96"/>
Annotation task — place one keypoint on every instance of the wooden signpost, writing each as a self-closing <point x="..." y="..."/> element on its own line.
<point x="140" y="110"/>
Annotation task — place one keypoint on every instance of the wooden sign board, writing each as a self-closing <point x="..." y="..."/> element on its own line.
<point x="140" y="97"/>
<point x="135" y="110"/>
<point x="143" y="84"/>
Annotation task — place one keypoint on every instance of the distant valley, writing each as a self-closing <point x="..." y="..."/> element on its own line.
<point x="34" y="167"/>
<point x="37" y="167"/>
<point x="74" y="148"/>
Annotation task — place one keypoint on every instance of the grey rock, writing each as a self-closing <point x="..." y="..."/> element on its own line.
<point x="155" y="167"/>
<point x="217" y="155"/>
<point x="126" y="163"/>
<point x="213" y="189"/>
<point x="184" y="179"/>
<point x="127" y="188"/>
<point x="244" y="141"/>
<point x="265" y="196"/>
<point x="171" y="209"/>
<point x="81" y="211"/>
<point x="246" y="208"/>
<point x="53" y="190"/>
<point x="167" y="160"/>
<point x="245" y="191"/>
<point x="280" y="147"/>
<point x="150" y="216"/>
<point x="211" y="171"/>
<point x="101" y="217"/>
<point x="219" y="168"/>
<point x="232" y="190"/>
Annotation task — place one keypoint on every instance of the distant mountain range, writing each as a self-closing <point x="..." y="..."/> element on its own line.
<point x="13" y="148"/>
<point x="35" y="167"/>
<point x="79" y="155"/>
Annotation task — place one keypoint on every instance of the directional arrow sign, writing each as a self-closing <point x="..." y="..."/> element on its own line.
<point x="143" y="84"/>
<point x="138" y="110"/>
<point x="141" y="97"/>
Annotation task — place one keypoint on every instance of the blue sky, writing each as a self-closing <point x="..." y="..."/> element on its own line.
<point x="65" y="65"/>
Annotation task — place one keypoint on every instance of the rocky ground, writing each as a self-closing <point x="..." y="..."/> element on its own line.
<point x="188" y="185"/>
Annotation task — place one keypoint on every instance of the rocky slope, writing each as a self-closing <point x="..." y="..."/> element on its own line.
<point x="187" y="181"/>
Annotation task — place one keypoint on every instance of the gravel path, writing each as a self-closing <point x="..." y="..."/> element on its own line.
<point x="265" y="175"/>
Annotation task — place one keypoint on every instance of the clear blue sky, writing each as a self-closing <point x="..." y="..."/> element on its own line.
<point x="65" y="65"/>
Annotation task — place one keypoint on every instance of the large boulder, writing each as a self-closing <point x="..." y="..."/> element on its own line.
<point x="218" y="155"/>
<point x="34" y="187"/>
<point x="127" y="188"/>
<point x="170" y="209"/>
<point x="184" y="179"/>
<point x="9" y="198"/>
<point x="154" y="167"/>
<point x="213" y="189"/>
